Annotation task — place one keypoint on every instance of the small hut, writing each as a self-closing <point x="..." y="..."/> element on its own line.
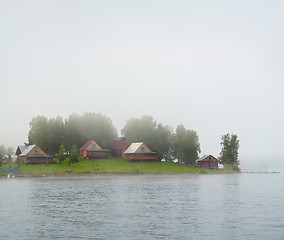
<point x="139" y="152"/>
<point x="207" y="161"/>
<point x="119" y="145"/>
<point x="93" y="150"/>
<point x="33" y="154"/>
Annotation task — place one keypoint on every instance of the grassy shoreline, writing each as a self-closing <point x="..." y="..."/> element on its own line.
<point x="107" y="166"/>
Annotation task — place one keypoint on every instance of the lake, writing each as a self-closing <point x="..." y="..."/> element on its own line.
<point x="185" y="206"/>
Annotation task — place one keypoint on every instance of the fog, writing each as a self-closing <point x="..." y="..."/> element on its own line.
<point x="214" y="66"/>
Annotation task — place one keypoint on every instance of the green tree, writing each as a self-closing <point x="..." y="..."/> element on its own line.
<point x="74" y="156"/>
<point x="61" y="155"/>
<point x="18" y="162"/>
<point x="1" y="159"/>
<point x="140" y="130"/>
<point x="161" y="141"/>
<point x="188" y="148"/>
<point x="49" y="134"/>
<point x="9" y="159"/>
<point x="229" y="149"/>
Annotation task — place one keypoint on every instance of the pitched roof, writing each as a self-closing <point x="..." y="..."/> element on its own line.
<point x="119" y="143"/>
<point x="21" y="149"/>
<point x="137" y="147"/>
<point x="204" y="157"/>
<point x="27" y="150"/>
<point x="90" y="145"/>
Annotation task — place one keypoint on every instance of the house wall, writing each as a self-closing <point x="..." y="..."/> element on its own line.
<point x="118" y="152"/>
<point x="36" y="151"/>
<point x="209" y="162"/>
<point x="98" y="154"/>
<point x="39" y="160"/>
<point x="149" y="156"/>
<point x="83" y="153"/>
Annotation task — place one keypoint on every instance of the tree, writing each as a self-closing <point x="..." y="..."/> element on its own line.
<point x="161" y="142"/>
<point x="9" y="159"/>
<point x="74" y="156"/>
<point x="61" y="155"/>
<point x="18" y="162"/>
<point x="49" y="134"/>
<point x="140" y="130"/>
<point x="230" y="149"/>
<point x="1" y="159"/>
<point x="188" y="147"/>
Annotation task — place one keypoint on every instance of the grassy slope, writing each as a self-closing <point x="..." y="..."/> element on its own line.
<point x="110" y="165"/>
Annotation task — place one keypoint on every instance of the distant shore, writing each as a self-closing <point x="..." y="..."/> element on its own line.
<point x="109" y="166"/>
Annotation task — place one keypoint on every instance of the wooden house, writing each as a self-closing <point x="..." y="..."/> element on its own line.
<point x="93" y="150"/>
<point x="139" y="152"/>
<point x="119" y="145"/>
<point x="207" y="161"/>
<point x="33" y="154"/>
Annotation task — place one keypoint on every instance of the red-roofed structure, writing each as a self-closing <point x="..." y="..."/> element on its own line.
<point x="119" y="145"/>
<point x="93" y="150"/>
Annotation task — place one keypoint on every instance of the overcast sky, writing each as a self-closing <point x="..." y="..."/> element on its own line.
<point x="214" y="66"/>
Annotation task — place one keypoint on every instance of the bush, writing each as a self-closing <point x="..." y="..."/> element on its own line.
<point x="232" y="167"/>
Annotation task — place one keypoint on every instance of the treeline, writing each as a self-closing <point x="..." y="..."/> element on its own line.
<point x="49" y="134"/>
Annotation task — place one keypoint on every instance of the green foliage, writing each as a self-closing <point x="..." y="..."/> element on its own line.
<point x="61" y="155"/>
<point x="188" y="147"/>
<point x="18" y="162"/>
<point x="49" y="134"/>
<point x="9" y="159"/>
<point x="231" y="168"/>
<point x="162" y="141"/>
<point x="139" y="130"/>
<point x="1" y="159"/>
<point x="230" y="149"/>
<point x="74" y="156"/>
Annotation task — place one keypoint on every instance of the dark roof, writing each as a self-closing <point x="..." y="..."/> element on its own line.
<point x="119" y="143"/>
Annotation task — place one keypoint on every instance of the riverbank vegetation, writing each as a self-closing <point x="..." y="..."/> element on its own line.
<point x="109" y="165"/>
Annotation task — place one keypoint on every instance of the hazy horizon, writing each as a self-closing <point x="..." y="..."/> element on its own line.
<point x="215" y="67"/>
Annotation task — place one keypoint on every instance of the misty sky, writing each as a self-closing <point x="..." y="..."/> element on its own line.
<point x="214" y="66"/>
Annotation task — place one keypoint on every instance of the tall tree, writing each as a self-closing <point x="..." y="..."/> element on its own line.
<point x="161" y="141"/>
<point x="61" y="155"/>
<point x="230" y="149"/>
<point x="140" y="130"/>
<point x="74" y="156"/>
<point x="188" y="148"/>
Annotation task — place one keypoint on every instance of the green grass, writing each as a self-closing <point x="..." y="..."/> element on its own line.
<point x="110" y="165"/>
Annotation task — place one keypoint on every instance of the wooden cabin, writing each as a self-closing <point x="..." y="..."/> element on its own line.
<point x="207" y="161"/>
<point x="119" y="145"/>
<point x="93" y="150"/>
<point x="139" y="152"/>
<point x="33" y="154"/>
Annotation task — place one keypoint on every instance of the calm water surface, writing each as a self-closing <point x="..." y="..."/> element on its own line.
<point x="236" y="206"/>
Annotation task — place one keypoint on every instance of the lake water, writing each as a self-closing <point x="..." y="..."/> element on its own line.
<point x="233" y="206"/>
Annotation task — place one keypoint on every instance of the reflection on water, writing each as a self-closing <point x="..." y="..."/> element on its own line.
<point x="143" y="207"/>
